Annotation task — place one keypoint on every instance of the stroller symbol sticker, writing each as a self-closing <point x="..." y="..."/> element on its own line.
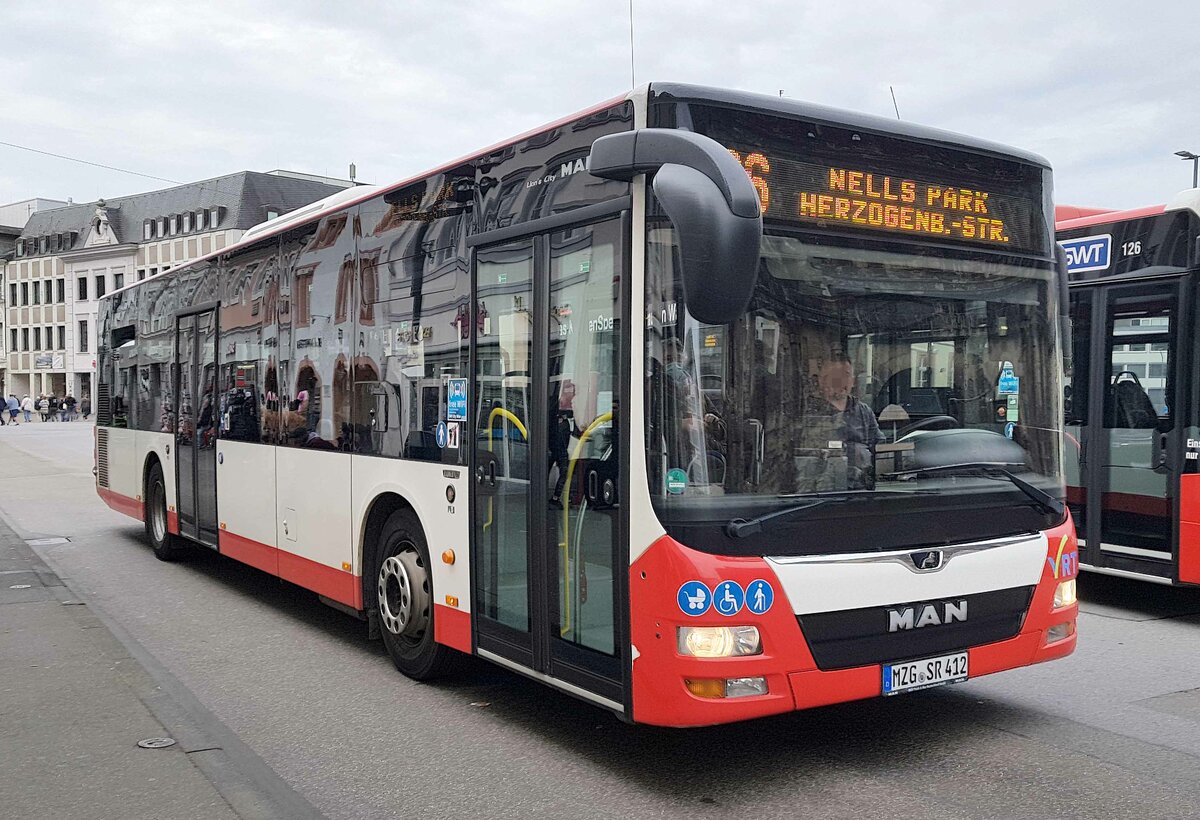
<point x="694" y="598"/>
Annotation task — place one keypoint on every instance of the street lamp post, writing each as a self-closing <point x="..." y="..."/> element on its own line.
<point x="1195" y="158"/>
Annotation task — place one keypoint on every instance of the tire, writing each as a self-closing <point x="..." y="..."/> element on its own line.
<point x="167" y="547"/>
<point x="404" y="596"/>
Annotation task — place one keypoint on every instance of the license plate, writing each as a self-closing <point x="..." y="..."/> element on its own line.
<point x="911" y="675"/>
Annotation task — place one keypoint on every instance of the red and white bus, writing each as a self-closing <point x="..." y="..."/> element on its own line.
<point x="1132" y="406"/>
<point x="698" y="405"/>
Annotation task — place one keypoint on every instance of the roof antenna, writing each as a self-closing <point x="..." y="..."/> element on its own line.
<point x="632" y="66"/>
<point x="894" y="101"/>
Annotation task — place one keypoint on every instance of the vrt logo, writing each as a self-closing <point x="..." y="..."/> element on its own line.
<point x="1088" y="253"/>
<point x="935" y="614"/>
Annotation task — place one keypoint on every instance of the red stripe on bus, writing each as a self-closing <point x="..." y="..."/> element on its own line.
<point x="336" y="584"/>
<point x="121" y="503"/>
<point x="258" y="555"/>
<point x="172" y="522"/>
<point x="1133" y="503"/>
<point x="339" y="585"/>
<point x="1076" y="495"/>
<point x="452" y="627"/>
<point x="1189" y="528"/>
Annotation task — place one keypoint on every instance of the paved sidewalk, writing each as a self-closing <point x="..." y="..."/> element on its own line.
<point x="70" y="713"/>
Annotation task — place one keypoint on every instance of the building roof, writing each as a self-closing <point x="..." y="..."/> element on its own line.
<point x="246" y="197"/>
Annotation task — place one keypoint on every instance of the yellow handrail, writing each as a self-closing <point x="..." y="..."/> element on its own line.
<point x="500" y="411"/>
<point x="603" y="418"/>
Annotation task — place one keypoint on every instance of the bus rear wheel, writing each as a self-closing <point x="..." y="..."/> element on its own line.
<point x="404" y="593"/>
<point x="167" y="547"/>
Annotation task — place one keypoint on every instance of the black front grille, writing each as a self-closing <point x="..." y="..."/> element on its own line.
<point x="859" y="637"/>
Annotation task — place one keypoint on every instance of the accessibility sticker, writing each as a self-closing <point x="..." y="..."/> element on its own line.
<point x="694" y="598"/>
<point x="441" y="435"/>
<point x="728" y="598"/>
<point x="759" y="596"/>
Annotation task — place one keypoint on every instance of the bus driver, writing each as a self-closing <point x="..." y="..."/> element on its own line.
<point x="836" y="420"/>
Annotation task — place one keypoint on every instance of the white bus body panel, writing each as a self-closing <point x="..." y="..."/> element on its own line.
<point x="312" y="505"/>
<point x="840" y="582"/>
<point x="162" y="445"/>
<point x="246" y="490"/>
<point x="447" y="526"/>
<point x="124" y="462"/>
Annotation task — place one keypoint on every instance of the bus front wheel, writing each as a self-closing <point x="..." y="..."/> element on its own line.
<point x="404" y="591"/>
<point x="167" y="547"/>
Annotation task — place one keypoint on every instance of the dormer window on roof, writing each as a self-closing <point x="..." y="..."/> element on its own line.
<point x="187" y="222"/>
<point x="148" y="229"/>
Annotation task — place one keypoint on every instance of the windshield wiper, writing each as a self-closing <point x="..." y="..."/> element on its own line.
<point x="986" y="470"/>
<point x="740" y="527"/>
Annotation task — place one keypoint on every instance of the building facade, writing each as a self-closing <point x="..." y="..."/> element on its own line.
<point x="66" y="258"/>
<point x="12" y="221"/>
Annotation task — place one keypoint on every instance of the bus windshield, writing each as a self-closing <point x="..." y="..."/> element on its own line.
<point x="884" y="374"/>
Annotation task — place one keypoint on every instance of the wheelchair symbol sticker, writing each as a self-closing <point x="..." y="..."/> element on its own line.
<point x="694" y="598"/>
<point x="728" y="598"/>
<point x="759" y="596"/>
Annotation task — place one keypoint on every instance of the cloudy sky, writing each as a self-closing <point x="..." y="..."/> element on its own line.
<point x="1105" y="90"/>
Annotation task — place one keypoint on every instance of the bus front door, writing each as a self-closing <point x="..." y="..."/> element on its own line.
<point x="196" y="429"/>
<point x="1128" y="445"/>
<point x="550" y="567"/>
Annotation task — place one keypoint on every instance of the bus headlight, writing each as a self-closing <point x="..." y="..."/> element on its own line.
<point x="1064" y="593"/>
<point x="719" y="641"/>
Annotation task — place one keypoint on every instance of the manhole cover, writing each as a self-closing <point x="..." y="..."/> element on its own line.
<point x="156" y="742"/>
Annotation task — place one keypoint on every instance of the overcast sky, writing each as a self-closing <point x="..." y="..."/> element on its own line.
<point x="1107" y="91"/>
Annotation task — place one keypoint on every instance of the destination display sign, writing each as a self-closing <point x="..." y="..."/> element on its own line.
<point x="943" y="208"/>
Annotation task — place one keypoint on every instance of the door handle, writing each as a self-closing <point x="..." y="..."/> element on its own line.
<point x="491" y="470"/>
<point x="1160" y="457"/>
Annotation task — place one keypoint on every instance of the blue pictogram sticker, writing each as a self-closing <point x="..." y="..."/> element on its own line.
<point x="759" y="596"/>
<point x="694" y="598"/>
<point x="1088" y="253"/>
<point x="441" y="435"/>
<point x="1008" y="429"/>
<point x="728" y="598"/>
<point x="456" y="399"/>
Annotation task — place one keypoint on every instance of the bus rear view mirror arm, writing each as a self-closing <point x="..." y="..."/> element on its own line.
<point x="712" y="203"/>
<point x="1065" y="331"/>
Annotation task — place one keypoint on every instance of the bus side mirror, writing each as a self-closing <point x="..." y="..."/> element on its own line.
<point x="712" y="203"/>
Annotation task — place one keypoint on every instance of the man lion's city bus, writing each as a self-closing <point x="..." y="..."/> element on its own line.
<point x="697" y="405"/>
<point x="1133" y="435"/>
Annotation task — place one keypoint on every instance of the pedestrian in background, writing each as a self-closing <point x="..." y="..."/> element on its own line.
<point x="69" y="402"/>
<point x="44" y="408"/>
<point x="27" y="407"/>
<point x="13" y="405"/>
<point x="85" y="406"/>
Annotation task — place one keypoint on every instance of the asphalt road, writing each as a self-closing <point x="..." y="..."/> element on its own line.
<point x="1113" y="731"/>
